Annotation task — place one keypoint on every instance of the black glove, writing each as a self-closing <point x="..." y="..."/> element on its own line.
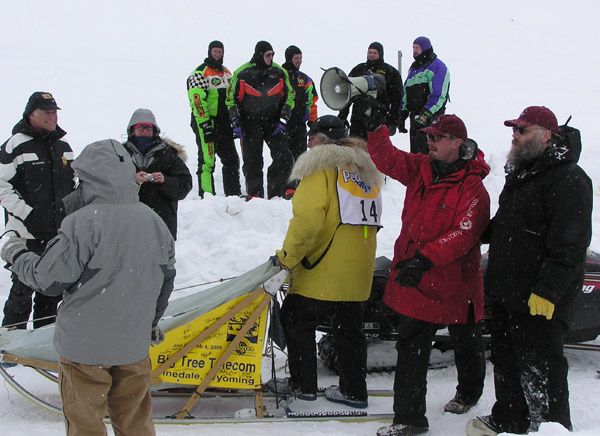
<point x="157" y="336"/>
<point x="422" y="118"/>
<point x="275" y="261"/>
<point x="402" y="122"/>
<point x="375" y="114"/>
<point x="208" y="132"/>
<point x="411" y="270"/>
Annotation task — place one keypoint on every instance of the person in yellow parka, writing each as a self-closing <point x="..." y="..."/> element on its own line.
<point x="329" y="250"/>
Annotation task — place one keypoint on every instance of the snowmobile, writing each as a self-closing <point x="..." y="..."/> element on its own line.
<point x="379" y="322"/>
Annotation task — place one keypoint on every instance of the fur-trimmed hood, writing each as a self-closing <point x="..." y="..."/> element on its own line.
<point x="180" y="149"/>
<point x="350" y="153"/>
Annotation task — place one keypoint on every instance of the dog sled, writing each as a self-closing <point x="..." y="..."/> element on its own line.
<point x="209" y="368"/>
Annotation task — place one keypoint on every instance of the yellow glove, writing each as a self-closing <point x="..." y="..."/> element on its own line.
<point x="540" y="306"/>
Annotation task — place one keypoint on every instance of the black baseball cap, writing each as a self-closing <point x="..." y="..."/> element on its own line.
<point x="40" y="100"/>
<point x="330" y="126"/>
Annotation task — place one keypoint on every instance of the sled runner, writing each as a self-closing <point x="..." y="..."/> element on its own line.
<point x="207" y="369"/>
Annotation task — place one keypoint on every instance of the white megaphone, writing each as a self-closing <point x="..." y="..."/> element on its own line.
<point x="338" y="90"/>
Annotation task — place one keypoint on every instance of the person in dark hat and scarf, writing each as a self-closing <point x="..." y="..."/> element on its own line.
<point x="207" y="89"/>
<point x="391" y="98"/>
<point x="260" y="100"/>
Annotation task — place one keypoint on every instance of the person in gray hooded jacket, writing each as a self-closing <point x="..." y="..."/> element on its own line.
<point x="113" y="263"/>
<point x="161" y="171"/>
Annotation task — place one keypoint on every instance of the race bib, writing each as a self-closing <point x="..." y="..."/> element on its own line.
<point x="360" y="203"/>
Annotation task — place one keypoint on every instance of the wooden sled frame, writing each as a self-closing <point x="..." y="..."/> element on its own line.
<point x="258" y="399"/>
<point x="45" y="367"/>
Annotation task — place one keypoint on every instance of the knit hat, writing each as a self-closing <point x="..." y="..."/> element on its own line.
<point x="290" y="52"/>
<point x="215" y="44"/>
<point x="449" y="124"/>
<point x="539" y="115"/>
<point x="40" y="100"/>
<point x="377" y="46"/>
<point x="330" y="126"/>
<point x="423" y="42"/>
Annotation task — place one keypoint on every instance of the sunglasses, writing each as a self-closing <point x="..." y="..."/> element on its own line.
<point x="438" y="138"/>
<point x="270" y="55"/>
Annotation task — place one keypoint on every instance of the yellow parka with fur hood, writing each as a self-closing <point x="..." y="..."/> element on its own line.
<point x="345" y="272"/>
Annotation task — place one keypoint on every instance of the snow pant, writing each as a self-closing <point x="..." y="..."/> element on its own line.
<point x="255" y="132"/>
<point x="18" y="305"/>
<point x="414" y="345"/>
<point x="297" y="141"/>
<point x="530" y="371"/>
<point x="358" y="128"/>
<point x="88" y="392"/>
<point x="300" y="317"/>
<point x="469" y="357"/>
<point x="224" y="147"/>
<point x="418" y="140"/>
<point x="297" y="145"/>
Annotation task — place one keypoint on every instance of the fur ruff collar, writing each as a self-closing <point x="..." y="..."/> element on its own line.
<point x="350" y="154"/>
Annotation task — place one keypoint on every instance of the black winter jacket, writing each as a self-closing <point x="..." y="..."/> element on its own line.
<point x="539" y="236"/>
<point x="164" y="157"/>
<point x="35" y="175"/>
<point x="391" y="98"/>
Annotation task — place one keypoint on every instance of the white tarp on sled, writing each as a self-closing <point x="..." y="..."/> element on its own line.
<point x="37" y="344"/>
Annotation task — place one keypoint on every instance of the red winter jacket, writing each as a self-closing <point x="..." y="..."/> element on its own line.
<point x="444" y="222"/>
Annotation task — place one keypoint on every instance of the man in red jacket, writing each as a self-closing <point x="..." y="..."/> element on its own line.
<point x="436" y="279"/>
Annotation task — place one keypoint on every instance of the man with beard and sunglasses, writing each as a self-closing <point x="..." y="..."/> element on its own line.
<point x="538" y="240"/>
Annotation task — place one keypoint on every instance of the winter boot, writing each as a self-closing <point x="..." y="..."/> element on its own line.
<point x="482" y="426"/>
<point x="333" y="393"/>
<point x="401" y="430"/>
<point x="283" y="387"/>
<point x="459" y="404"/>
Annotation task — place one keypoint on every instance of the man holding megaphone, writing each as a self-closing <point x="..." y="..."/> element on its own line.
<point x="390" y="95"/>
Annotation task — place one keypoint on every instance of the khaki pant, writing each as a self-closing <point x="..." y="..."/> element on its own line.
<point x="89" y="391"/>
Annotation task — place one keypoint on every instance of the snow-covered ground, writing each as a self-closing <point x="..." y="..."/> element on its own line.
<point x="102" y="60"/>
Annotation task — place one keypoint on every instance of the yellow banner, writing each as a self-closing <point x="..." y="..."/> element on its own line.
<point x="240" y="371"/>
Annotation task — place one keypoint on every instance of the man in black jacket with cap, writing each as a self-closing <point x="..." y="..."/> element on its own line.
<point x="35" y="175"/>
<point x="391" y="98"/>
<point x="538" y="240"/>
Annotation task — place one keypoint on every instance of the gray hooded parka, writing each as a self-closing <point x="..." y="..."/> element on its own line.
<point x="113" y="262"/>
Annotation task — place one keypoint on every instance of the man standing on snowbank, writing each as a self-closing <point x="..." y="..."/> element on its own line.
<point x="538" y="240"/>
<point x="113" y="263"/>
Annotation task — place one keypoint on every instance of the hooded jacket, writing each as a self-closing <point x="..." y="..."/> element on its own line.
<point x="442" y="220"/>
<point x="427" y="84"/>
<point x="35" y="175"/>
<point x="112" y="261"/>
<point x="305" y="101"/>
<point x="167" y="157"/>
<point x="540" y="233"/>
<point x="207" y="90"/>
<point x="345" y="271"/>
<point x="260" y="92"/>
<point x="391" y="98"/>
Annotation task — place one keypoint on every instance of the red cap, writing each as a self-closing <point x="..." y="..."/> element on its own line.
<point x="449" y="124"/>
<point x="539" y="115"/>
